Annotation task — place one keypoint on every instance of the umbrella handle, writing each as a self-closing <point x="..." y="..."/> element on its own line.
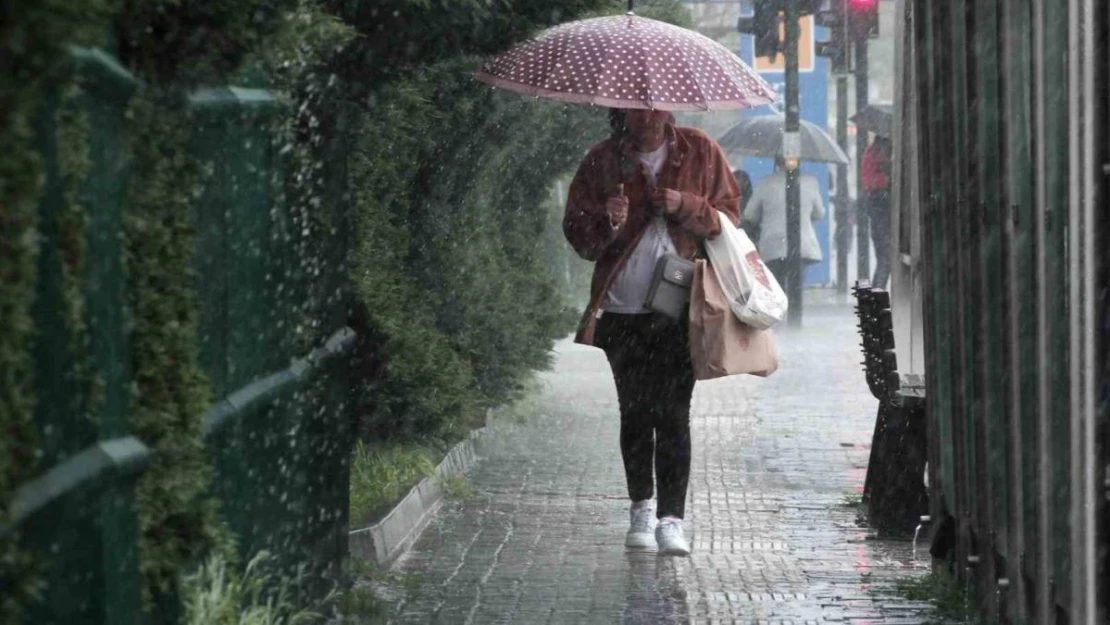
<point x="620" y="190"/>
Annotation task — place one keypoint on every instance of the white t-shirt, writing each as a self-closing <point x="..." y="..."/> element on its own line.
<point x="629" y="289"/>
<point x="654" y="160"/>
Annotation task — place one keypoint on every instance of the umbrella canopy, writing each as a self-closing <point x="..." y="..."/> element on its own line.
<point x="627" y="61"/>
<point x="878" y="118"/>
<point x="762" y="136"/>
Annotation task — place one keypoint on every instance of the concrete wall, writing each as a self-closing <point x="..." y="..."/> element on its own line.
<point x="905" y="281"/>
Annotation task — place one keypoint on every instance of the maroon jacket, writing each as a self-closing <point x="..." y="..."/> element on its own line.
<point x="695" y="166"/>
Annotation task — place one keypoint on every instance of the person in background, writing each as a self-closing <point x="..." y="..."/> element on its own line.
<point x="767" y="211"/>
<point x="650" y="189"/>
<point x="744" y="182"/>
<point x="876" y="204"/>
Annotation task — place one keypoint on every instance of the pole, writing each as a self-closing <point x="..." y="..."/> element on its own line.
<point x="863" y="223"/>
<point x="790" y="150"/>
<point x="843" y="222"/>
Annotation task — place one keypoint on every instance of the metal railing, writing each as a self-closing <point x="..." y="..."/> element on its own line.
<point x="279" y="437"/>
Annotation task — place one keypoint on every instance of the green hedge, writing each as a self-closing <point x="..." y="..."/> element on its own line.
<point x="35" y="67"/>
<point x="441" y="183"/>
<point x="177" y="520"/>
<point x="455" y="232"/>
<point x="170" y="46"/>
<point x="449" y="228"/>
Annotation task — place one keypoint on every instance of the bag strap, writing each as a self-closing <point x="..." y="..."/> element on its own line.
<point x="659" y="225"/>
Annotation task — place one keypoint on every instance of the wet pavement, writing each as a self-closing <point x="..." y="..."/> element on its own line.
<point x="777" y="464"/>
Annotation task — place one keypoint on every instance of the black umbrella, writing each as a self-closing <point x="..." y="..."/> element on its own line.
<point x="878" y="118"/>
<point x="762" y="136"/>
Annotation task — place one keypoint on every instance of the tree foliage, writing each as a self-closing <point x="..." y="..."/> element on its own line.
<point x="450" y="188"/>
<point x="450" y="226"/>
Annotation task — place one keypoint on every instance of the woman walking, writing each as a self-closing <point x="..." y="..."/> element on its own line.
<point x="649" y="189"/>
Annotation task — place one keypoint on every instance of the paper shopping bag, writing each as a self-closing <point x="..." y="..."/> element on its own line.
<point x="721" y="344"/>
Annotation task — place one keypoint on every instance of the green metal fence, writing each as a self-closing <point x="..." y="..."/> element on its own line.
<point x="279" y="431"/>
<point x="1011" y="115"/>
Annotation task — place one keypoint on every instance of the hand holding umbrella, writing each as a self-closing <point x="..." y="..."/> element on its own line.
<point x="617" y="208"/>
<point x="667" y="200"/>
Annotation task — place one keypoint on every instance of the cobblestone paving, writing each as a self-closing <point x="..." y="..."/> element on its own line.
<point x="773" y="542"/>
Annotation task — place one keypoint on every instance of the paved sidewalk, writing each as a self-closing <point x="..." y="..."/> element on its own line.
<point x="774" y="462"/>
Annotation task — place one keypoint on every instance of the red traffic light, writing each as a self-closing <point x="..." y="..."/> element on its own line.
<point x="863" y="18"/>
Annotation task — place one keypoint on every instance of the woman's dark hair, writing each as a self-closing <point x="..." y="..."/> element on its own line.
<point x="617" y="118"/>
<point x="616" y="122"/>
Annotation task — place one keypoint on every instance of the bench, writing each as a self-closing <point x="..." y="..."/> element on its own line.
<point x="894" y="490"/>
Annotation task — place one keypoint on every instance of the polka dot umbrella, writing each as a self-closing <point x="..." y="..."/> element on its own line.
<point x="627" y="61"/>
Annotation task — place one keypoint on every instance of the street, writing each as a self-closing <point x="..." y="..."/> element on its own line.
<point x="778" y="465"/>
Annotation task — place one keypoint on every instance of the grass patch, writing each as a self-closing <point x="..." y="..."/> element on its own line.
<point x="217" y="594"/>
<point x="458" y="488"/>
<point x="357" y="568"/>
<point x="951" y="600"/>
<point x="409" y="581"/>
<point x="360" y="606"/>
<point x="361" y="569"/>
<point x="382" y="474"/>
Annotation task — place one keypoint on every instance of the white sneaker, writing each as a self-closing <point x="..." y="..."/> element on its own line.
<point x="641" y="523"/>
<point x="670" y="538"/>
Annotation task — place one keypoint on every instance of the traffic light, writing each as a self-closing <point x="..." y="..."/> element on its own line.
<point x="810" y="7"/>
<point x="766" y="22"/>
<point x="833" y="16"/>
<point x="863" y="18"/>
<point x="764" y="26"/>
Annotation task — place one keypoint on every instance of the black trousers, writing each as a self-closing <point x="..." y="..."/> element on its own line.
<point x="650" y="359"/>
<point x="778" y="269"/>
<point x="877" y="204"/>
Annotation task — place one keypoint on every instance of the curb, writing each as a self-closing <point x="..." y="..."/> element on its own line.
<point x="387" y="540"/>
